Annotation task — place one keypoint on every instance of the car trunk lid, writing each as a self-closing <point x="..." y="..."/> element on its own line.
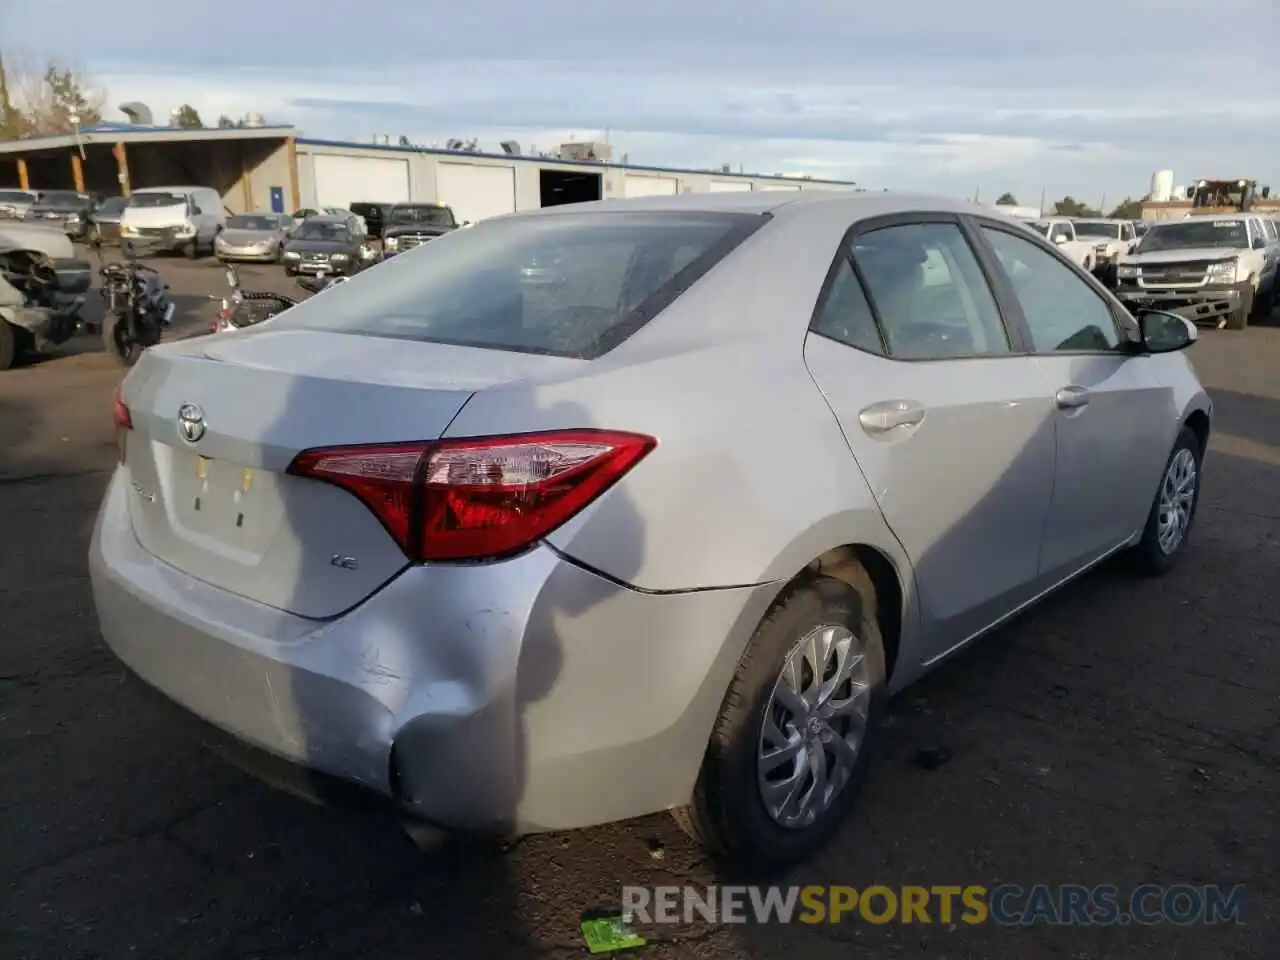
<point x="216" y="423"/>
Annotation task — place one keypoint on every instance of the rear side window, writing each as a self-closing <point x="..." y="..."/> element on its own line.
<point x="571" y="285"/>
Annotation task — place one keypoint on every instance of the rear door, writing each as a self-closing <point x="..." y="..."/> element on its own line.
<point x="951" y="427"/>
<point x="1108" y="404"/>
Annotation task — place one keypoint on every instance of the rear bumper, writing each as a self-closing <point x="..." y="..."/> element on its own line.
<point x="519" y="696"/>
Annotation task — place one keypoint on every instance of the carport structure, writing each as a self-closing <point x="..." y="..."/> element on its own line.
<point x="252" y="168"/>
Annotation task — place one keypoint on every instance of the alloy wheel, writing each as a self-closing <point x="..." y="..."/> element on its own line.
<point x="1177" y="498"/>
<point x="813" y="726"/>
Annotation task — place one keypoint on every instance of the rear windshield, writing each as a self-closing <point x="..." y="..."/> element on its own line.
<point x="112" y="205"/>
<point x="16" y="196"/>
<point x="1097" y="228"/>
<point x="569" y="285"/>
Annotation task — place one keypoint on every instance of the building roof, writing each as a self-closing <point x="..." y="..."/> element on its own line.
<point x="135" y="133"/>
<point x="558" y="161"/>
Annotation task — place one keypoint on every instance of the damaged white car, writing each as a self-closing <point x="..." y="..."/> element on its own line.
<point x="41" y="289"/>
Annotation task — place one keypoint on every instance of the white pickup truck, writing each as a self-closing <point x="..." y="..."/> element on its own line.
<point x="1211" y="269"/>
<point x="1062" y="231"/>
<point x="1111" y="240"/>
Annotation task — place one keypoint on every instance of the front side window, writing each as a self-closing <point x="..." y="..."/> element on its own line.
<point x="929" y="293"/>
<point x="571" y="285"/>
<point x="1061" y="310"/>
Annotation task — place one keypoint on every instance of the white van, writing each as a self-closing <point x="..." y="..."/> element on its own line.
<point x="188" y="219"/>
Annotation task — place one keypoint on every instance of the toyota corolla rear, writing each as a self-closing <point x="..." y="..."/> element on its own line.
<point x="307" y="545"/>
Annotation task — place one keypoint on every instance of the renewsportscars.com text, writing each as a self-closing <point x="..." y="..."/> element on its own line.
<point x="1006" y="904"/>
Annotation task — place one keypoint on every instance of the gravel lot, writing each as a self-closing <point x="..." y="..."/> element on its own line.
<point x="1126" y="732"/>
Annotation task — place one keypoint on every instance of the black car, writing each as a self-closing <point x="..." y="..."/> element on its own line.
<point x="410" y="225"/>
<point x="324" y="245"/>
<point x="106" y="218"/>
<point x="375" y="216"/>
<point x="68" y="208"/>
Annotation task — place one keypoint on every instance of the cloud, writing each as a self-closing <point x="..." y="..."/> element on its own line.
<point x="1081" y="98"/>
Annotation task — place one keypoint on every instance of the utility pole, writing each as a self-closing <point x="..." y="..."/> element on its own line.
<point x="1042" y="190"/>
<point x="1102" y="207"/>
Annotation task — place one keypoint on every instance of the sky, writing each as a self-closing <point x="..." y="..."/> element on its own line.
<point x="1084" y="98"/>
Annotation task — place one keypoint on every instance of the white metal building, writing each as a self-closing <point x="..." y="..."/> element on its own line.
<point x="480" y="185"/>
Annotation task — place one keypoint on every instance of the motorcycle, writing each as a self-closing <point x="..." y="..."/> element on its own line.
<point x="138" y="308"/>
<point x="245" y="308"/>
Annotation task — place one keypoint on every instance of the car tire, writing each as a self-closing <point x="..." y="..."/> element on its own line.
<point x="1152" y="555"/>
<point x="1265" y="306"/>
<point x="8" y="345"/>
<point x="1238" y="319"/>
<point x="728" y="813"/>
<point x="191" y="249"/>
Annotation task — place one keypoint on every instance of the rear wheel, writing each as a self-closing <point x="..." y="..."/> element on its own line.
<point x="8" y="345"/>
<point x="1169" y="523"/>
<point x="191" y="249"/>
<point x="790" y="748"/>
<point x="1264" y="306"/>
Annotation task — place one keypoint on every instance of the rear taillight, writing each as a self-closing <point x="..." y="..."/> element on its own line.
<point x="477" y="499"/>
<point x="123" y="420"/>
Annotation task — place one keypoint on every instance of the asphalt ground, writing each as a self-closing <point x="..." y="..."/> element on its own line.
<point x="1125" y="732"/>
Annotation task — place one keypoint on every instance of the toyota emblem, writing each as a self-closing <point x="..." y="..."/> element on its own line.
<point x="190" y="422"/>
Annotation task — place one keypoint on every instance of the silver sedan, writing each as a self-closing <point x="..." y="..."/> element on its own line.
<point x="660" y="535"/>
<point x="254" y="237"/>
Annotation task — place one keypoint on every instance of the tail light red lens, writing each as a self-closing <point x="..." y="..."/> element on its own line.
<point x="123" y="420"/>
<point x="477" y="499"/>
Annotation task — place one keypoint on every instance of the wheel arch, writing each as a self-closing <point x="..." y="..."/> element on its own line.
<point x="845" y="562"/>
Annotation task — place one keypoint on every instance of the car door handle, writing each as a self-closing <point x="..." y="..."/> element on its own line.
<point x="880" y="418"/>
<point x="1072" y="398"/>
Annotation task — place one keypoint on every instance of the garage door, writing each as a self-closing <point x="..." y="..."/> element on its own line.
<point x="636" y="185"/>
<point x="342" y="181"/>
<point x="730" y="186"/>
<point x="476" y="191"/>
<point x="779" y="186"/>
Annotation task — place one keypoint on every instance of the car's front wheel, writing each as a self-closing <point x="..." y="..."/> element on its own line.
<point x="790" y="748"/>
<point x="1174" y="510"/>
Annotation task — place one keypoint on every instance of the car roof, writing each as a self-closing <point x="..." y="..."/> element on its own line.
<point x="328" y="218"/>
<point x="857" y="205"/>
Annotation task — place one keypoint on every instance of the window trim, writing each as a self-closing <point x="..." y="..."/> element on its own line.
<point x="845" y="251"/>
<point x="1125" y="327"/>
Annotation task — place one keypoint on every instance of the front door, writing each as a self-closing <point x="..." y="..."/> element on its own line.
<point x="953" y="432"/>
<point x="1108" y="457"/>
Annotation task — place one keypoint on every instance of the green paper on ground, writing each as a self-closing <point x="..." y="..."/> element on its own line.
<point x="607" y="934"/>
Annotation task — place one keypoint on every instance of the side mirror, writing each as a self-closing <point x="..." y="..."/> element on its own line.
<point x="1259" y="243"/>
<point x="195" y="210"/>
<point x="1060" y="239"/>
<point x="1166" y="332"/>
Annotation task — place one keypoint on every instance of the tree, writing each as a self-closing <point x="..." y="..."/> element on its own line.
<point x="1128" y="209"/>
<point x="225" y="122"/>
<point x="188" y="117"/>
<point x="1007" y="200"/>
<point x="1070" y="207"/>
<point x="40" y="100"/>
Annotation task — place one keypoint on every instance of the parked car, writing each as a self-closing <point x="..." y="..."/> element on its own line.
<point x="410" y="225"/>
<point x="664" y="539"/>
<point x="1062" y="232"/>
<point x="67" y="209"/>
<point x="1111" y="238"/>
<point x="106" y="219"/>
<point x="42" y="287"/>
<point x="1216" y="269"/>
<point x="14" y="204"/>
<point x="254" y="236"/>
<point x="325" y="244"/>
<point x="173" y="219"/>
<point x="374" y="215"/>
<point x="305" y="213"/>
